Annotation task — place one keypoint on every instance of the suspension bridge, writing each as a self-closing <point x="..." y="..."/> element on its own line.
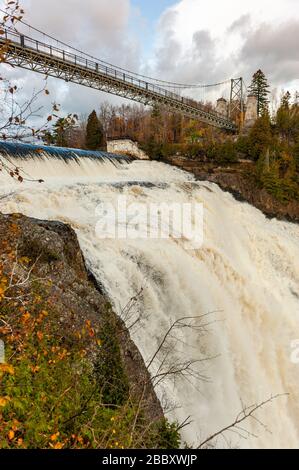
<point x="62" y="61"/>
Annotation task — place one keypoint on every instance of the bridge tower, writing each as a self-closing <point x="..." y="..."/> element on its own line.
<point x="236" y="104"/>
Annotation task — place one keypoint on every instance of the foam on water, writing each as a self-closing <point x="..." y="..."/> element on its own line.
<point x="246" y="274"/>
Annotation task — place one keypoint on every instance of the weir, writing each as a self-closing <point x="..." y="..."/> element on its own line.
<point x="26" y="151"/>
<point x="40" y="162"/>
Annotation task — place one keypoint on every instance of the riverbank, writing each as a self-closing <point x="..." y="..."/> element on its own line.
<point x="237" y="179"/>
<point x="72" y="376"/>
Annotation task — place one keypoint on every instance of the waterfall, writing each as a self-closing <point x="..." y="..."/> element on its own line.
<point x="243" y="281"/>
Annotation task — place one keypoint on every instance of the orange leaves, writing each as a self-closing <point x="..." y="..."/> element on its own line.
<point x="35" y="369"/>
<point x="89" y="328"/>
<point x="43" y="314"/>
<point x="14" y="228"/>
<point x="57" y="445"/>
<point x="4" y="401"/>
<point x="40" y="335"/>
<point x="54" y="437"/>
<point x="53" y="441"/>
<point x="11" y="435"/>
<point x="7" y="368"/>
<point x="63" y="354"/>
<point x="25" y="317"/>
<point x="2" y="292"/>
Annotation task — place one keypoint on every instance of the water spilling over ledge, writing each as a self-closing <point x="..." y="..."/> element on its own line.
<point x="246" y="274"/>
<point x="14" y="150"/>
<point x="49" y="163"/>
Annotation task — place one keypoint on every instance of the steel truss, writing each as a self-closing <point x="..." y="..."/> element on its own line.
<point x="27" y="53"/>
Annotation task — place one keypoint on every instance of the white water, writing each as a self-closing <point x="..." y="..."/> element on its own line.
<point x="247" y="272"/>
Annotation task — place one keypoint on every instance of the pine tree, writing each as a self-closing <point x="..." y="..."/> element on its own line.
<point x="286" y="100"/>
<point x="259" y="87"/>
<point x="94" y="133"/>
<point x="284" y="124"/>
<point x="62" y="131"/>
<point x="260" y="137"/>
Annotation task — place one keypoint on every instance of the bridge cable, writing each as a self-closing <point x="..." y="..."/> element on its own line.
<point x="167" y="84"/>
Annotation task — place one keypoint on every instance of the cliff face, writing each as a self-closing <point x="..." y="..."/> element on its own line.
<point x="50" y="302"/>
<point x="237" y="181"/>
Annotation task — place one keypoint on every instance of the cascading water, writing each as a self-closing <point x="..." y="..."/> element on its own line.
<point x="245" y="277"/>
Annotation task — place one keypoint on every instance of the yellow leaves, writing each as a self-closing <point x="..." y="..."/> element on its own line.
<point x="63" y="354"/>
<point x="43" y="314"/>
<point x="57" y="445"/>
<point x="4" y="401"/>
<point x="89" y="328"/>
<point x="24" y="260"/>
<point x="7" y="368"/>
<point x="2" y="292"/>
<point x="3" y="287"/>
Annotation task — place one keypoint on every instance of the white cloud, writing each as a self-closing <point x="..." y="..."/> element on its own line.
<point x="196" y="41"/>
<point x="98" y="27"/>
<point x="199" y="41"/>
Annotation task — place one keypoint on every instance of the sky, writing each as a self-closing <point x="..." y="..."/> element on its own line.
<point x="189" y="41"/>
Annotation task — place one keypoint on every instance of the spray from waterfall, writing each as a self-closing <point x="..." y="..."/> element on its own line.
<point x="238" y="293"/>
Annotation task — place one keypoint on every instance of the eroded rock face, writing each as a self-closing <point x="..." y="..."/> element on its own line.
<point x="238" y="182"/>
<point x="54" y="251"/>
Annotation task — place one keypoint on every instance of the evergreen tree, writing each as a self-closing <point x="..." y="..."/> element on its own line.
<point x="59" y="133"/>
<point x="286" y="100"/>
<point x="94" y="133"/>
<point x="260" y="137"/>
<point x="62" y="131"/>
<point x="284" y="123"/>
<point x="259" y="87"/>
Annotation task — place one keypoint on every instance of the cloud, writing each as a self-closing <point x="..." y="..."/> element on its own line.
<point x="275" y="49"/>
<point x="228" y="39"/>
<point x="240" y="24"/>
<point x="192" y="43"/>
<point x="98" y="27"/>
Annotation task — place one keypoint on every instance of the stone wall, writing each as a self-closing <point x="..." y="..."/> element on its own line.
<point x="251" y="111"/>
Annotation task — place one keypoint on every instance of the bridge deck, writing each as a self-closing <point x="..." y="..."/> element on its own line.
<point x="23" y="51"/>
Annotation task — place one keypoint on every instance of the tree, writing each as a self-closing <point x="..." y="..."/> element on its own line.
<point x="94" y="133"/>
<point x="259" y="87"/>
<point x="18" y="114"/>
<point x="284" y="123"/>
<point x="62" y="133"/>
<point x="260" y="137"/>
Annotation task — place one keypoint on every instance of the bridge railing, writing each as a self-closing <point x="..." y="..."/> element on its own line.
<point x="27" y="42"/>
